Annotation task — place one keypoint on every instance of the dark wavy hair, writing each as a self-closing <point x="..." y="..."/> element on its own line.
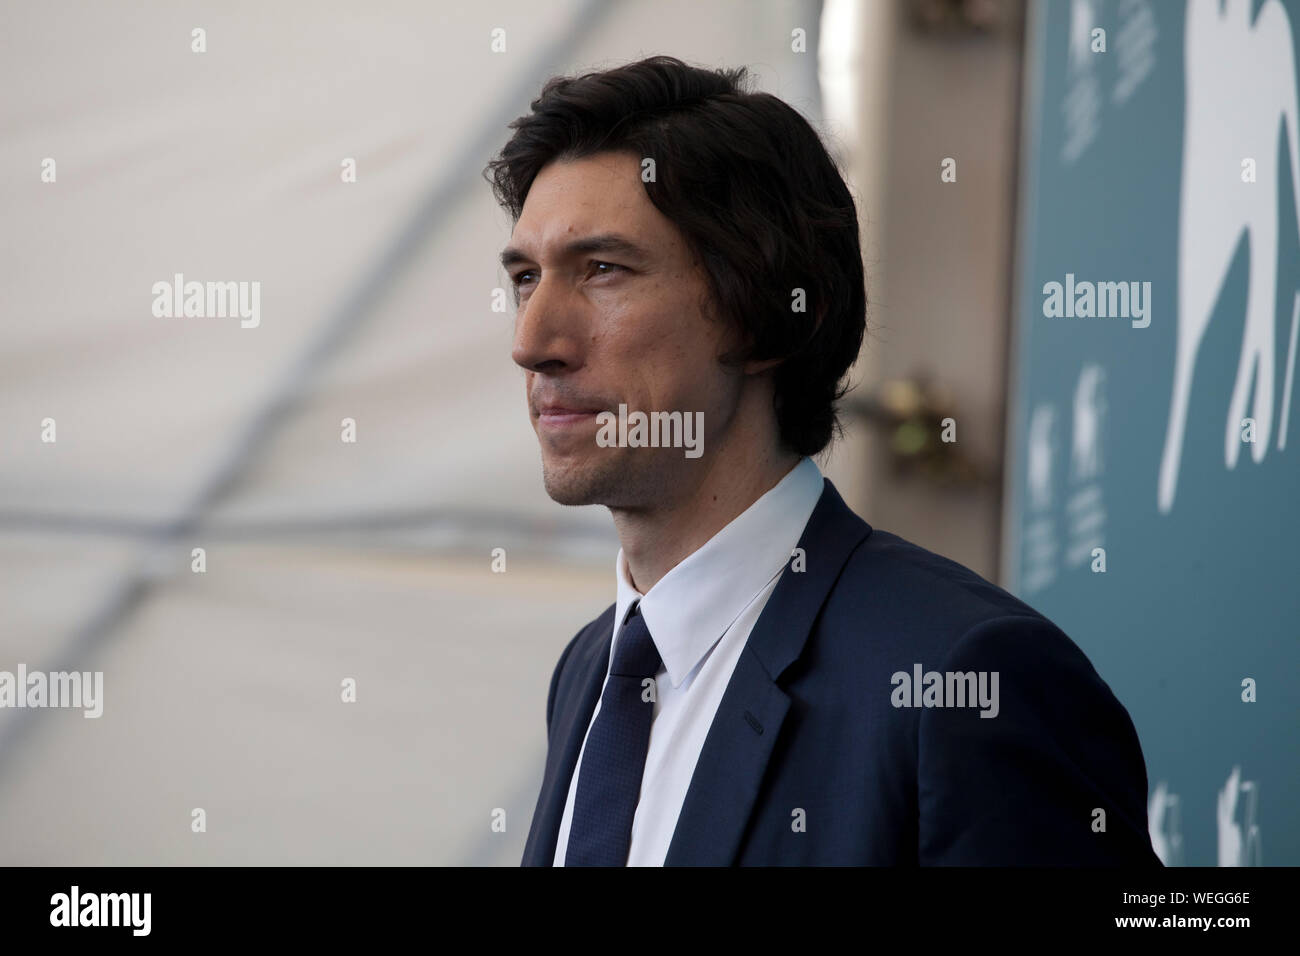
<point x="757" y="197"/>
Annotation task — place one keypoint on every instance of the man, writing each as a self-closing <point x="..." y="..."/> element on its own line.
<point x="777" y="682"/>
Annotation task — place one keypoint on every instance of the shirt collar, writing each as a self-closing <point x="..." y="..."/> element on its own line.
<point x="692" y="606"/>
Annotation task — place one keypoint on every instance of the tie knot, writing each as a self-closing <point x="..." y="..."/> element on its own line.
<point x="636" y="654"/>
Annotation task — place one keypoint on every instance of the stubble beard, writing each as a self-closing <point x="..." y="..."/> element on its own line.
<point x="620" y="480"/>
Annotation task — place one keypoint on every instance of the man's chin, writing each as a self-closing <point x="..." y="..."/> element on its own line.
<point x="567" y="489"/>
<point x="585" y="483"/>
<point x="564" y="495"/>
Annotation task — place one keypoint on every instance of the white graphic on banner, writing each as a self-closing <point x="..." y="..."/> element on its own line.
<point x="1239" y="843"/>
<point x="1040" y="545"/>
<point x="1240" y="93"/>
<point x="1089" y="409"/>
<point x="1085" y="512"/>
<point x="1165" y="826"/>
<point x="1082" y="104"/>
<point x="1135" y="48"/>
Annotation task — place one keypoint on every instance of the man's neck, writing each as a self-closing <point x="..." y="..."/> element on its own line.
<point x="655" y="542"/>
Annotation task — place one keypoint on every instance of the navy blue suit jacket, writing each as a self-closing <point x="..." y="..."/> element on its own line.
<point x="809" y="762"/>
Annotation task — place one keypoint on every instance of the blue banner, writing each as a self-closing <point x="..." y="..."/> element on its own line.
<point x="1154" y="464"/>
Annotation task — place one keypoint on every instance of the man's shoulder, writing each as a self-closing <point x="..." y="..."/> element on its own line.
<point x="893" y="591"/>
<point x="886" y="567"/>
<point x="901" y="594"/>
<point x="897" y="605"/>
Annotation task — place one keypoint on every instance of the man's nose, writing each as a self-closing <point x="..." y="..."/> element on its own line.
<point x="548" y="329"/>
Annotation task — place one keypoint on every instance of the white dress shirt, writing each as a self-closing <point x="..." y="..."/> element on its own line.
<point x="700" y="614"/>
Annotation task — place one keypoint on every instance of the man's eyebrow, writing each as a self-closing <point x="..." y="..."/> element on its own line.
<point x="602" y="242"/>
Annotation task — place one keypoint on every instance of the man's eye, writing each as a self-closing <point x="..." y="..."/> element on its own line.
<point x="521" y="277"/>
<point x="612" y="267"/>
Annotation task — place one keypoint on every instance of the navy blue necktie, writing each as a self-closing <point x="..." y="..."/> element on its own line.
<point x="609" y="781"/>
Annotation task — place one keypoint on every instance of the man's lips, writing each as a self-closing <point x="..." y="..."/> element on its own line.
<point x="559" y="415"/>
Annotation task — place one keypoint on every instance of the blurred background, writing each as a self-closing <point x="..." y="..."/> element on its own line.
<point x="332" y="152"/>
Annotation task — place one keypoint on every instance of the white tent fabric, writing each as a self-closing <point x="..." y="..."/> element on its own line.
<point x="326" y="560"/>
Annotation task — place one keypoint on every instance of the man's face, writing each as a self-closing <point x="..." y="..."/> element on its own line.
<point x="612" y="311"/>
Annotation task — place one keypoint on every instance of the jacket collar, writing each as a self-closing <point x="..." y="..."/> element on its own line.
<point x="745" y="728"/>
<point x="749" y="718"/>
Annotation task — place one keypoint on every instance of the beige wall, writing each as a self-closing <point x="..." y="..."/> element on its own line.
<point x="938" y="259"/>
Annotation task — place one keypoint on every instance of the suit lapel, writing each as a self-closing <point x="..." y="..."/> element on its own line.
<point x="749" y="718"/>
<point x="569" y="725"/>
